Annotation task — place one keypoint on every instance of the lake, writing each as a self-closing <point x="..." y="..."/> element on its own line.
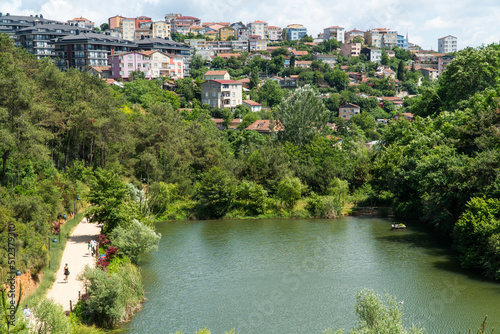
<point x="301" y="276"/>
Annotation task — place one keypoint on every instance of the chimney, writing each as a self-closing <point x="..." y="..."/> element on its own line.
<point x="41" y="16"/>
<point x="142" y="36"/>
<point x="78" y="32"/>
<point x="7" y="14"/>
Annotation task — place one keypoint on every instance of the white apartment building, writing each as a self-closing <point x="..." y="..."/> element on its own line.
<point x="381" y="38"/>
<point x="335" y="32"/>
<point x="222" y="93"/>
<point x="258" y="28"/>
<point x="447" y="44"/>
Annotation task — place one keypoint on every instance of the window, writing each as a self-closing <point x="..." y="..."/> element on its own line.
<point x="234" y="102"/>
<point x="213" y="94"/>
<point x="344" y="116"/>
<point x="234" y="94"/>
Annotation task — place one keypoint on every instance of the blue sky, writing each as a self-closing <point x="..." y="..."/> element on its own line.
<point x="473" y="22"/>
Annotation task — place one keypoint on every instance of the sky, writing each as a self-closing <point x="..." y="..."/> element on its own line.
<point x="473" y="22"/>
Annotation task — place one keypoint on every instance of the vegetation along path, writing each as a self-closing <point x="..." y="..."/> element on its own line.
<point x="77" y="256"/>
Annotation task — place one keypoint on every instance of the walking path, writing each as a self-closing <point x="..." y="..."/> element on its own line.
<point x="77" y="256"/>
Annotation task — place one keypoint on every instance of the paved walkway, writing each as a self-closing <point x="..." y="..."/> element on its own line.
<point x="76" y="255"/>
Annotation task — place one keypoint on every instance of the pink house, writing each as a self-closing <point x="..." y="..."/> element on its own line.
<point x="124" y="63"/>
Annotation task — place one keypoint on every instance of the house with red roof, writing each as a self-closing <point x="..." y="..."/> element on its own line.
<point x="348" y="110"/>
<point x="254" y="106"/>
<point x="264" y="126"/>
<point x="222" y="93"/>
<point x="216" y="75"/>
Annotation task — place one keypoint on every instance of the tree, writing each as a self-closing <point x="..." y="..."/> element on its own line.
<point x="290" y="190"/>
<point x="402" y="70"/>
<point x="358" y="39"/>
<point x="218" y="62"/>
<point x="104" y="26"/>
<point x="293" y="59"/>
<point x="384" y="60"/>
<point x="253" y="197"/>
<point x="254" y="79"/>
<point x="214" y="193"/>
<point x="270" y="93"/>
<point x="301" y="116"/>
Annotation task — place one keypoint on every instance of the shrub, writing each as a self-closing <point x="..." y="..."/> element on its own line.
<point x="135" y="241"/>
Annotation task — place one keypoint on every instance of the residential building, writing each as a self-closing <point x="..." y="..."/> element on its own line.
<point x="275" y="34"/>
<point x="211" y="35"/>
<point x="258" y="28"/>
<point x="427" y="57"/>
<point x="143" y="32"/>
<point x="348" y="110"/>
<point x="406" y="116"/>
<point x="349" y="36"/>
<point x="381" y="38"/>
<point x="216" y="75"/>
<point x="141" y="20"/>
<point x="243" y="33"/>
<point x="373" y="54"/>
<point x="37" y="39"/>
<point x="115" y="21"/>
<point x="169" y="47"/>
<point x="182" y="24"/>
<point x="171" y="16"/>
<point x="252" y="105"/>
<point x="443" y="62"/>
<point x="256" y="43"/>
<point x="124" y="63"/>
<point x="403" y="42"/>
<point x="447" y="44"/>
<point x="350" y="49"/>
<point x="429" y="73"/>
<point x="226" y="32"/>
<point x="84" y="50"/>
<point x="329" y="59"/>
<point x="221" y="93"/>
<point x="334" y="32"/>
<point x="82" y="23"/>
<point x="9" y="24"/>
<point x="264" y="126"/>
<point x="294" y="32"/>
<point x="303" y="63"/>
<point x="103" y="72"/>
<point x="161" y="29"/>
<point x="128" y="26"/>
<point x="165" y="64"/>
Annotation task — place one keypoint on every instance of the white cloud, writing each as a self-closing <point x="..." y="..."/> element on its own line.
<point x="474" y="22"/>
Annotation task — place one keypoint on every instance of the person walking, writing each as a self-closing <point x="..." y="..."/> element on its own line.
<point x="27" y="314"/>
<point x="66" y="273"/>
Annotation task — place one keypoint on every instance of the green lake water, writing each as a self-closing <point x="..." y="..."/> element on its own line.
<point x="301" y="276"/>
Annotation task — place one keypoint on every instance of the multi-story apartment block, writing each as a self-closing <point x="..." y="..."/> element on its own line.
<point x="142" y="32"/>
<point x="164" y="64"/>
<point x="295" y="32"/>
<point x="381" y="38"/>
<point x="443" y="62"/>
<point x="9" y="24"/>
<point x="275" y="34"/>
<point x="221" y="93"/>
<point x="37" y="39"/>
<point x="226" y="32"/>
<point x="349" y="36"/>
<point x="171" y="16"/>
<point x="182" y="24"/>
<point x="115" y="21"/>
<point x="124" y="63"/>
<point x="350" y="49"/>
<point x="447" y="44"/>
<point x="329" y="59"/>
<point x="256" y="43"/>
<point x="85" y="50"/>
<point x="372" y="54"/>
<point x="334" y="32"/>
<point x="348" y="110"/>
<point x="82" y="23"/>
<point x="258" y="28"/>
<point x="167" y="46"/>
<point x="142" y="21"/>
<point x="403" y="42"/>
<point x="161" y="29"/>
<point x="128" y="27"/>
<point x="243" y="33"/>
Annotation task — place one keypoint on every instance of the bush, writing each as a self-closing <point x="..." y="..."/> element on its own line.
<point x="214" y="194"/>
<point x="323" y="206"/>
<point x="50" y="318"/>
<point x="290" y="190"/>
<point x="135" y="241"/>
<point x="253" y="197"/>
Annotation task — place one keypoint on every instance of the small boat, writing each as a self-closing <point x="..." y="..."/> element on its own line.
<point x="398" y="226"/>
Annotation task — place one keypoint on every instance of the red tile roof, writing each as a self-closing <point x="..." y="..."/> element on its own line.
<point x="227" y="82"/>
<point x="334" y="27"/>
<point x="252" y="103"/>
<point x="262" y="125"/>
<point x="259" y="21"/>
<point x="216" y="73"/>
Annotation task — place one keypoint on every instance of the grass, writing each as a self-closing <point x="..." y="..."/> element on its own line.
<point x="56" y="251"/>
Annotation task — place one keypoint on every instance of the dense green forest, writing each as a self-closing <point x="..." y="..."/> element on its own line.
<point x="134" y="157"/>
